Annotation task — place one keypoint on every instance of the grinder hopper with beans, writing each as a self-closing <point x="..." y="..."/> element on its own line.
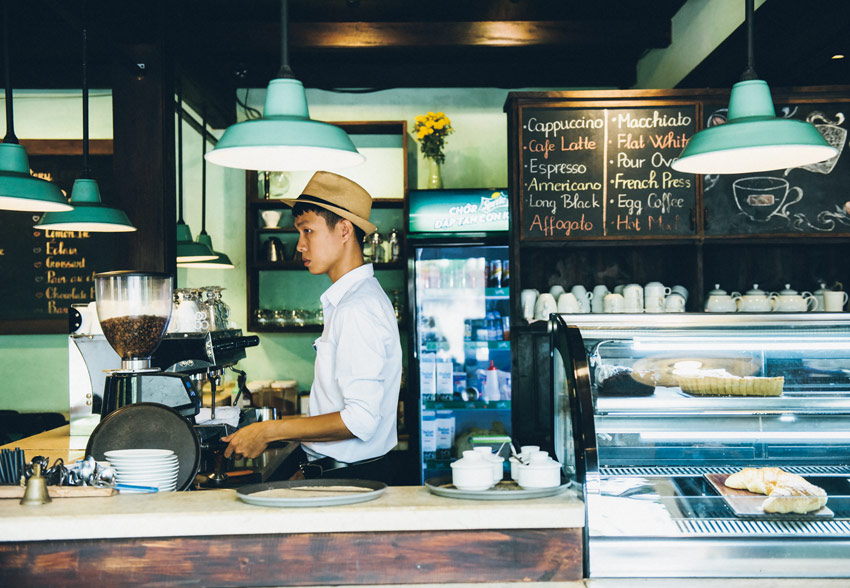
<point x="134" y="309"/>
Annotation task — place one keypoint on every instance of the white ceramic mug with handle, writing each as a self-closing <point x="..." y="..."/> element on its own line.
<point x="597" y="302"/>
<point x="614" y="303"/>
<point x="834" y="301"/>
<point x="583" y="297"/>
<point x="545" y="306"/>
<point x="568" y="303"/>
<point x="528" y="299"/>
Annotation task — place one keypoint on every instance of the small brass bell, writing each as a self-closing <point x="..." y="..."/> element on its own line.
<point x="36" y="492"/>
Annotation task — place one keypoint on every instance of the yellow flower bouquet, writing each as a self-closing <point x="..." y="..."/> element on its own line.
<point x="431" y="130"/>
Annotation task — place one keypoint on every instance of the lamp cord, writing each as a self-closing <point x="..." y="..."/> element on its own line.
<point x="750" y="72"/>
<point x="86" y="169"/>
<point x="285" y="71"/>
<point x="10" y="119"/>
<point x="180" y="150"/>
<point x="204" y="173"/>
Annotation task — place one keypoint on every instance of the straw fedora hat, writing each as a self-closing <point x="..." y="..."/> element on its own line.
<point x="340" y="195"/>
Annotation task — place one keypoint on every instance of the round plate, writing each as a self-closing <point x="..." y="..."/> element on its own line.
<point x="504" y="490"/>
<point x="350" y="492"/>
<point x="148" y="425"/>
<point x="139" y="454"/>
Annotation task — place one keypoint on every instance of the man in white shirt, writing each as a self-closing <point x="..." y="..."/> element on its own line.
<point x="353" y="400"/>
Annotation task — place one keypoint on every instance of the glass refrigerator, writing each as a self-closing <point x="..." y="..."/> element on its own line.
<point x="459" y="284"/>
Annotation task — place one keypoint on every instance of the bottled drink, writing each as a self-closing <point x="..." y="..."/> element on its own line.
<point x="495" y="278"/>
<point x="506" y="274"/>
<point x="395" y="245"/>
<point x="491" y="384"/>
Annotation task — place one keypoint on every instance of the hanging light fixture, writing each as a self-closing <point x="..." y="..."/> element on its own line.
<point x="753" y="139"/>
<point x="222" y="261"/>
<point x="89" y="213"/>
<point x="187" y="248"/>
<point x="285" y="138"/>
<point x="20" y="190"/>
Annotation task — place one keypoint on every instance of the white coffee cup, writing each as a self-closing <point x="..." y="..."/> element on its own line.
<point x="618" y="289"/>
<point x="674" y="303"/>
<point x="834" y="301"/>
<point x="545" y="306"/>
<point x="528" y="299"/>
<point x="633" y="295"/>
<point x="583" y="297"/>
<point x="614" y="303"/>
<point x="556" y="291"/>
<point x="598" y="298"/>
<point x="680" y="290"/>
<point x="656" y="289"/>
<point x="568" y="303"/>
<point x="271" y="218"/>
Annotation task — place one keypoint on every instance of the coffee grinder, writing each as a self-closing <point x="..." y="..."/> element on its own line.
<point x="134" y="309"/>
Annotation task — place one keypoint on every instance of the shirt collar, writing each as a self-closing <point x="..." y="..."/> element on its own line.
<point x="338" y="289"/>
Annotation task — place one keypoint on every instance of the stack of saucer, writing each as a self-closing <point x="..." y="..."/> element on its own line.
<point x="145" y="467"/>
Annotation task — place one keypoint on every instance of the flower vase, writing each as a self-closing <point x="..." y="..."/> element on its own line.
<point x="435" y="179"/>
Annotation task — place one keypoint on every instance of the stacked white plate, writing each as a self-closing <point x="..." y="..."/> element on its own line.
<point x="145" y="467"/>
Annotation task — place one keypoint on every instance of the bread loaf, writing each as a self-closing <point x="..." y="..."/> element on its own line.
<point x="786" y="492"/>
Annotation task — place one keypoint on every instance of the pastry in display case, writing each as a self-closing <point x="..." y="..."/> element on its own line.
<point x="723" y="439"/>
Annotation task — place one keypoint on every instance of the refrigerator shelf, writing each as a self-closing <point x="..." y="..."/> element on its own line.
<point x="463" y="293"/>
<point x="444" y="345"/>
<point x="466" y="405"/>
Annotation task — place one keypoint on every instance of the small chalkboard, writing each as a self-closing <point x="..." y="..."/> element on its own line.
<point x="605" y="172"/>
<point x="46" y="271"/>
<point x="810" y="199"/>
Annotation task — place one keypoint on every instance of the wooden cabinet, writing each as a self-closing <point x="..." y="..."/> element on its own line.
<point x="282" y="295"/>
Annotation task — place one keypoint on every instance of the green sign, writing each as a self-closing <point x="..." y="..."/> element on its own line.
<point x="458" y="211"/>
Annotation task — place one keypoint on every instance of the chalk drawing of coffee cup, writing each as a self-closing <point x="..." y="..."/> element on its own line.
<point x="835" y="135"/>
<point x="762" y="197"/>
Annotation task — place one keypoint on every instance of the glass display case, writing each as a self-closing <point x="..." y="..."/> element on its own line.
<point x="654" y="412"/>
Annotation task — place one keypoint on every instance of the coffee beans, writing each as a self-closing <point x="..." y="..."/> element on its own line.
<point x="134" y="336"/>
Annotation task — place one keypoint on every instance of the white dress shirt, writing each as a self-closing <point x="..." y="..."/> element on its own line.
<point x="358" y="367"/>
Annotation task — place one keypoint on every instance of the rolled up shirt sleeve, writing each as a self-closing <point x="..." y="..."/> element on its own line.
<point x="360" y="360"/>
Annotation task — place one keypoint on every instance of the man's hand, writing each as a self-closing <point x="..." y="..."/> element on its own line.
<point x="248" y="441"/>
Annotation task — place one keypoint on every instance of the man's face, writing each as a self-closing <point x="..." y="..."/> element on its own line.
<point x="321" y="247"/>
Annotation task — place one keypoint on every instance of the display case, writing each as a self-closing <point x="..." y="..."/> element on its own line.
<point x="653" y="412"/>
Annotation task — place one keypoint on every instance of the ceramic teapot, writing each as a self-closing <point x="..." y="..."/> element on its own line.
<point x="719" y="301"/>
<point x="756" y="300"/>
<point x="790" y="301"/>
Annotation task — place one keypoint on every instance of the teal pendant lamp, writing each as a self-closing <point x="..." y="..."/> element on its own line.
<point x="753" y="139"/>
<point x="89" y="213"/>
<point x="222" y="261"/>
<point x="187" y="248"/>
<point x="20" y="190"/>
<point x="285" y="138"/>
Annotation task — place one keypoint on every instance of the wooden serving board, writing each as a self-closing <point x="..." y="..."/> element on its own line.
<point x="58" y="491"/>
<point x="748" y="504"/>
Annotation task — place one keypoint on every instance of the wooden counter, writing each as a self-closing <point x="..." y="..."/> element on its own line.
<point x="406" y="536"/>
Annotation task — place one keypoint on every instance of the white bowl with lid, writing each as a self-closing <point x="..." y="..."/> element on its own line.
<point x="473" y="472"/>
<point x="541" y="472"/>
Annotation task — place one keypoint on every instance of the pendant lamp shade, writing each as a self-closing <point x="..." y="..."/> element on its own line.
<point x="752" y="139"/>
<point x="285" y="138"/>
<point x="222" y="261"/>
<point x="19" y="190"/>
<point x="189" y="249"/>
<point x="88" y="213"/>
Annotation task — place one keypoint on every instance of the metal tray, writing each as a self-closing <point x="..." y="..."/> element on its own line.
<point x="367" y="490"/>
<point x="504" y="490"/>
<point x="748" y="504"/>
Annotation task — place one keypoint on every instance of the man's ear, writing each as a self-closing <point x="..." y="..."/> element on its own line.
<point x="346" y="229"/>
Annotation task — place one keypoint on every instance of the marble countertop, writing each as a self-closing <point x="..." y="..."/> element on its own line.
<point x="220" y="512"/>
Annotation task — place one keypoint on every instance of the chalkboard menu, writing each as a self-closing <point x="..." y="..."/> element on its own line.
<point x="813" y="199"/>
<point x="44" y="272"/>
<point x="605" y="172"/>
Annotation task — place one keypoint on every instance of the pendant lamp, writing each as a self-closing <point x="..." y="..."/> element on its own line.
<point x="285" y="138"/>
<point x="89" y="213"/>
<point x="20" y="190"/>
<point x="753" y="139"/>
<point x="187" y="248"/>
<point x="222" y="261"/>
